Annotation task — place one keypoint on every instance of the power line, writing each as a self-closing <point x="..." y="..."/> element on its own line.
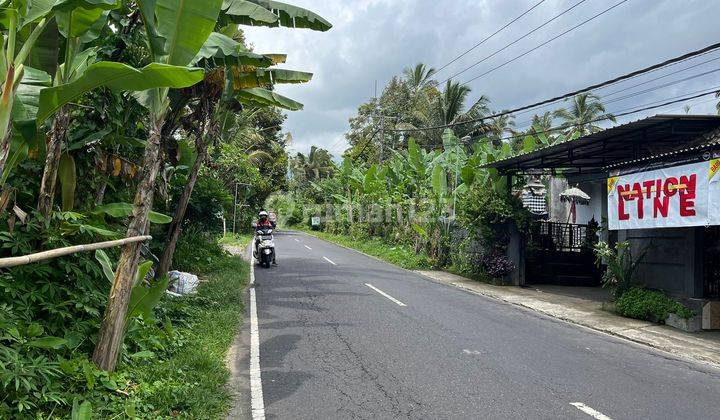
<point x="642" y="74"/>
<point x="576" y="92"/>
<point x="516" y="41"/>
<point x="490" y="36"/>
<point x="713" y="91"/>
<point x="372" y="136"/>
<point x="618" y="113"/>
<point x="660" y="77"/>
<point x="685" y="79"/>
<point x="548" y="41"/>
<point x="527" y="124"/>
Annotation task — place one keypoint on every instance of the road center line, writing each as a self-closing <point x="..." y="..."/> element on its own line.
<point x="296" y="240"/>
<point x="385" y="294"/>
<point x="329" y="260"/>
<point x="590" y="411"/>
<point x="308" y="247"/>
<point x="257" y="404"/>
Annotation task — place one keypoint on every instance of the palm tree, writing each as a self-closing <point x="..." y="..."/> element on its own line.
<point x="541" y="123"/>
<point x="319" y="164"/>
<point x="498" y="126"/>
<point x="583" y="114"/>
<point x="419" y="77"/>
<point x="451" y="103"/>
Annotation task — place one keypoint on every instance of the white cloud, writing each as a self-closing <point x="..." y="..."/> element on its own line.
<point x="374" y="39"/>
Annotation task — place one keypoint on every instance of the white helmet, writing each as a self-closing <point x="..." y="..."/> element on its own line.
<point x="263" y="213"/>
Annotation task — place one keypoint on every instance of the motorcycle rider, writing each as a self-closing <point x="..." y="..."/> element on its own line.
<point x="263" y="222"/>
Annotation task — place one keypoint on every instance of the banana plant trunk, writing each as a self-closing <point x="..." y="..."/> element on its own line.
<point x="5" y="147"/>
<point x="175" y="227"/>
<point x="112" y="330"/>
<point x="52" y="161"/>
<point x="6" y="103"/>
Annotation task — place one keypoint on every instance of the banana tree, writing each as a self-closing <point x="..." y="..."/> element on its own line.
<point x="79" y="22"/>
<point x="22" y="22"/>
<point x="171" y="44"/>
<point x="246" y="78"/>
<point x="220" y="56"/>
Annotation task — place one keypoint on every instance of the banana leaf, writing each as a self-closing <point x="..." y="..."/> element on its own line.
<point x="264" y="97"/>
<point x="118" y="77"/>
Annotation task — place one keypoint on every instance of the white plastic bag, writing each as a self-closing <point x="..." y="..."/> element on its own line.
<point x="183" y="283"/>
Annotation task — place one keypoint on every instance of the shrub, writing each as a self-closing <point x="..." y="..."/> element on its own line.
<point x="650" y="305"/>
<point x="489" y="215"/>
<point x="497" y="265"/>
<point x="196" y="251"/>
<point x="621" y="270"/>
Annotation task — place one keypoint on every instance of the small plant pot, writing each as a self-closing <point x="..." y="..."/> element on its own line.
<point x="693" y="324"/>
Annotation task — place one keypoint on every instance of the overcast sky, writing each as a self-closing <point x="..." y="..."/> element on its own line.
<point x="375" y="39"/>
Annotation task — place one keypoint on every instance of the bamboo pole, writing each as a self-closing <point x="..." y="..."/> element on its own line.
<point x="60" y="252"/>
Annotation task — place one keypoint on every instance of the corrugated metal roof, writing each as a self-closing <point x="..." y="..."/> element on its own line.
<point x="641" y="139"/>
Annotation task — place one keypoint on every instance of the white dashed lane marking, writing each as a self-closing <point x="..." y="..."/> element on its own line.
<point x="385" y="294"/>
<point x="590" y="411"/>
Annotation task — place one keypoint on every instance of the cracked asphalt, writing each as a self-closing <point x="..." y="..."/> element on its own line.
<point x="331" y="347"/>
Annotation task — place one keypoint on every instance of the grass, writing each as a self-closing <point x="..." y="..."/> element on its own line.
<point x="238" y="239"/>
<point x="397" y="254"/>
<point x="191" y="383"/>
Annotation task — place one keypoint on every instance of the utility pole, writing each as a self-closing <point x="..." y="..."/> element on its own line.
<point x="382" y="137"/>
<point x="235" y="202"/>
<point x="235" y="208"/>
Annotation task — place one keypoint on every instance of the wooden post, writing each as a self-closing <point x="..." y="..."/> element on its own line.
<point x="68" y="250"/>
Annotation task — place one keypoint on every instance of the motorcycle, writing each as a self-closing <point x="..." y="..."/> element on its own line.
<point x="264" y="246"/>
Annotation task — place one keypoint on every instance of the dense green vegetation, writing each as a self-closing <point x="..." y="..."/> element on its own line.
<point x="173" y="364"/>
<point x="399" y="254"/>
<point x="426" y="190"/>
<point x="118" y="121"/>
<point x="650" y="305"/>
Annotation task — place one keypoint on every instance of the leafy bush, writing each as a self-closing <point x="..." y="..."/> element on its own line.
<point x="50" y="313"/>
<point x="650" y="305"/>
<point x="621" y="266"/>
<point x="497" y="265"/>
<point x="489" y="215"/>
<point x="197" y="251"/>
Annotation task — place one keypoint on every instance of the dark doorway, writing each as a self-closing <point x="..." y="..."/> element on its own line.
<point x="561" y="254"/>
<point x="711" y="265"/>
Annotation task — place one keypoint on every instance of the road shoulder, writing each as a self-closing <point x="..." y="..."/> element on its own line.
<point x="700" y="347"/>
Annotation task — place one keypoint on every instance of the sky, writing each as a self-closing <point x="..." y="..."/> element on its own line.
<point x="373" y="40"/>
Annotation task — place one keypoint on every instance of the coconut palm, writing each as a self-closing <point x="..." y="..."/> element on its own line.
<point x="319" y="164"/>
<point x="451" y="103"/>
<point x="419" y="77"/>
<point x="498" y="127"/>
<point x="542" y="122"/>
<point x="582" y="116"/>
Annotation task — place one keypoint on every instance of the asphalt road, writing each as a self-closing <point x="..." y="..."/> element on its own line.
<point x="333" y="347"/>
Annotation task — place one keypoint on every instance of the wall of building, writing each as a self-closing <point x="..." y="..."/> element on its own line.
<point x="670" y="262"/>
<point x="595" y="209"/>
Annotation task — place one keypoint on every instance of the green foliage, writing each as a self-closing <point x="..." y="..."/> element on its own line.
<point x="398" y="254"/>
<point x="191" y="257"/>
<point x="650" y="305"/>
<point x="490" y="216"/>
<point x="621" y="271"/>
<point x="173" y="355"/>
